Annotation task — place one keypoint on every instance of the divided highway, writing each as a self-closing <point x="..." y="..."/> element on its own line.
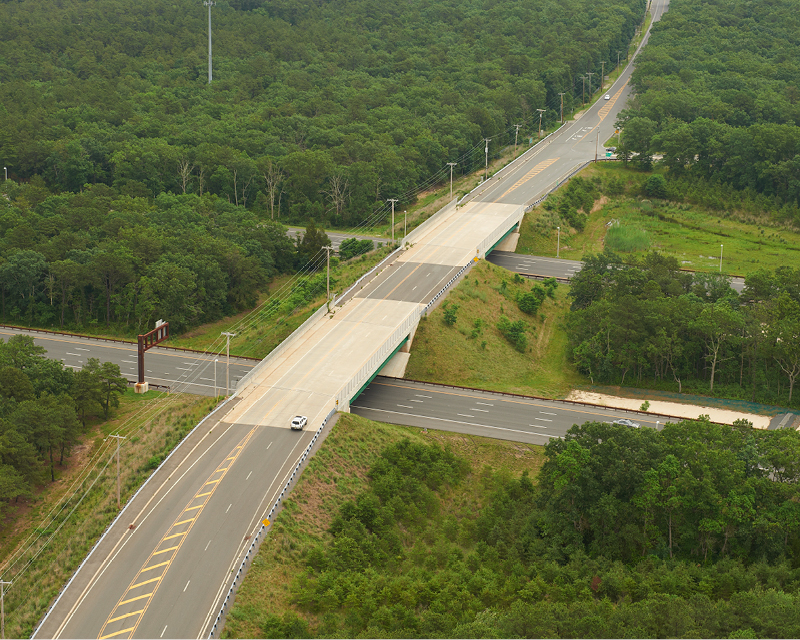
<point x="183" y="371"/>
<point x="482" y="413"/>
<point x="164" y="567"/>
<point x="540" y="267"/>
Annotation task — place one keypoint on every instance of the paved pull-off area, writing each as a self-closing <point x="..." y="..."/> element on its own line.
<point x="166" y="576"/>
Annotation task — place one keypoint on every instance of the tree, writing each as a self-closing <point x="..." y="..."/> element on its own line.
<point x="310" y="245"/>
<point x="719" y="325"/>
<point x="273" y="180"/>
<point x="785" y="337"/>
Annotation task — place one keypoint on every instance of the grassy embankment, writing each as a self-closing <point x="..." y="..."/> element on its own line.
<point x="688" y="232"/>
<point x="55" y="541"/>
<point x="336" y="474"/>
<point x="451" y="355"/>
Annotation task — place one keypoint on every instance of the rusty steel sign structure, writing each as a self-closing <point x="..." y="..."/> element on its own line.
<point x="148" y="341"/>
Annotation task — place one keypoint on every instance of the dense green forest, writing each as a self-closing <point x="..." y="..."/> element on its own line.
<point x="693" y="531"/>
<point x="647" y="322"/>
<point x="717" y="95"/>
<point x="43" y="411"/>
<point x="316" y="109"/>
<point x="98" y="257"/>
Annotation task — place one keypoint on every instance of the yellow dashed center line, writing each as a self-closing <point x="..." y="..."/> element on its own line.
<point x="116" y="633"/>
<point x="156" y="566"/>
<point x="117" y="614"/>
<point x="533" y="172"/>
<point x="165" y="550"/>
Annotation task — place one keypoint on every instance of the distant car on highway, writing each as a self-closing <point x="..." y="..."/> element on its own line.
<point x="298" y="422"/>
<point x="627" y="423"/>
<point x="607" y="96"/>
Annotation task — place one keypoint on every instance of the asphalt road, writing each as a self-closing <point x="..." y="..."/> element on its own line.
<point x="180" y="370"/>
<point x="482" y="413"/>
<point x="336" y="237"/>
<point x="153" y="579"/>
<point x="537" y="266"/>
<point x="166" y="577"/>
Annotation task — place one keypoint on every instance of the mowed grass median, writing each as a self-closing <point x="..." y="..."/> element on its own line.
<point x="473" y="352"/>
<point x="625" y="220"/>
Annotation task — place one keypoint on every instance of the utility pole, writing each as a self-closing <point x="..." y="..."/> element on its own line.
<point x="486" y="172"/>
<point x="228" y="337"/>
<point x="541" y="112"/>
<point x="3" y="584"/>
<point x="405" y="224"/>
<point x="118" y="437"/>
<point x="562" y="107"/>
<point x="558" y="242"/>
<point x="602" y="74"/>
<point x="618" y="52"/>
<point x="209" y="4"/>
<point x="516" y="135"/>
<point x="392" y="200"/>
<point x="590" y="74"/>
<point x="583" y="91"/>
<point x="328" y="263"/>
<point x="451" y="164"/>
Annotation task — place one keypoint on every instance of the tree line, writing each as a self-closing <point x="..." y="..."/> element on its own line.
<point x="648" y="323"/>
<point x="717" y="96"/>
<point x="44" y="408"/>
<point x="689" y="531"/>
<point x="100" y="258"/>
<point x="316" y="111"/>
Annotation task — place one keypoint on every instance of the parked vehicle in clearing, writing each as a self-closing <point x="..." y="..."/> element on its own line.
<point x="627" y="423"/>
<point x="298" y="422"/>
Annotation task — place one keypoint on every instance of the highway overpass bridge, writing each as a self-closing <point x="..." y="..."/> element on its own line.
<point x="168" y="566"/>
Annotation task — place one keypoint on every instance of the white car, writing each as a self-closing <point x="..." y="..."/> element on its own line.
<point x="298" y="422"/>
<point x="627" y="423"/>
<point x="607" y="97"/>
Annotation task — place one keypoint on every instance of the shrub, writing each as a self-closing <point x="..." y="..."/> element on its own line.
<point x="451" y="315"/>
<point x="352" y="247"/>
<point x="656" y="186"/>
<point x="529" y="302"/>
<point x="514" y="332"/>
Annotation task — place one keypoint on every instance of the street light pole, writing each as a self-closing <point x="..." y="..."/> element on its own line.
<point x="228" y="336"/>
<point x="451" y="165"/>
<point x="209" y="4"/>
<point x="405" y="224"/>
<point x="558" y="242"/>
<point x="215" y="376"/>
<point x="392" y="200"/>
<point x="486" y="171"/>
<point x="6" y="172"/>
<point x="720" y="258"/>
<point x="541" y="112"/>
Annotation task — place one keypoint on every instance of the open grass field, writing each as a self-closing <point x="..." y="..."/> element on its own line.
<point x="688" y="232"/>
<point x="451" y="355"/>
<point x="336" y="474"/>
<point x="44" y="541"/>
